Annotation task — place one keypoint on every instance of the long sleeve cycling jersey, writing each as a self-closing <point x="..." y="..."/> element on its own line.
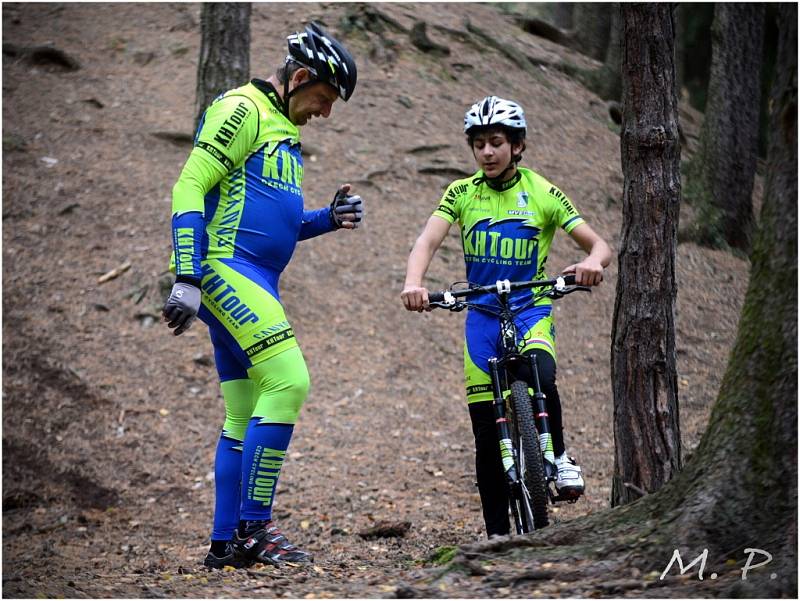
<point x="239" y="194"/>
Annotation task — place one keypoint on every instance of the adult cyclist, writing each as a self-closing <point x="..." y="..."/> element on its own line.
<point x="508" y="215"/>
<point x="237" y="214"/>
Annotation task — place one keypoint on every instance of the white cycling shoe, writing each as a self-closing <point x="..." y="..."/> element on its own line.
<point x="570" y="481"/>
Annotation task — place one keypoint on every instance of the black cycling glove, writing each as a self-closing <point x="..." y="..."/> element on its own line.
<point x="182" y="306"/>
<point x="344" y="205"/>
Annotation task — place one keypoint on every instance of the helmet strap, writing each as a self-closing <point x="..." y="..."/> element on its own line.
<point x="288" y="94"/>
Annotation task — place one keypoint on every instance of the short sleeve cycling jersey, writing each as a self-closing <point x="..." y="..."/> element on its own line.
<point x="506" y="234"/>
<point x="239" y="195"/>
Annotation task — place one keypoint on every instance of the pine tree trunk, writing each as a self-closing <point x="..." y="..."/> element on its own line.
<point x="609" y="78"/>
<point x="680" y="20"/>
<point x="592" y="26"/>
<point x="562" y="14"/>
<point x="643" y="361"/>
<point x="720" y="181"/>
<point x="224" y="51"/>
<point x="740" y="488"/>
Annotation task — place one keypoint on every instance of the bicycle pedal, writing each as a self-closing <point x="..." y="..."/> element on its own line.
<point x="571" y="497"/>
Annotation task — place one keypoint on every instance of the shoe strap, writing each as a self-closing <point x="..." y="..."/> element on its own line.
<point x="275" y="540"/>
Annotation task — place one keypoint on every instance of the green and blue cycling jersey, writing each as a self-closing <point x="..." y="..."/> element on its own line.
<point x="239" y="195"/>
<point x="506" y="234"/>
<point x="237" y="215"/>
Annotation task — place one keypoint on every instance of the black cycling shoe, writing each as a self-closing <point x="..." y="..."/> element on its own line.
<point x="268" y="545"/>
<point x="230" y="558"/>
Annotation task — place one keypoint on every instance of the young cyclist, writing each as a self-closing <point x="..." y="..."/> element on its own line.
<point x="237" y="214"/>
<point x="508" y="216"/>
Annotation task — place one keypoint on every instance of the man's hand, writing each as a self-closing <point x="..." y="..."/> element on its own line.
<point x="588" y="272"/>
<point x="182" y="306"/>
<point x="415" y="298"/>
<point x="346" y="211"/>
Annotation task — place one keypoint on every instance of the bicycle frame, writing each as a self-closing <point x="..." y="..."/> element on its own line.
<point x="499" y="373"/>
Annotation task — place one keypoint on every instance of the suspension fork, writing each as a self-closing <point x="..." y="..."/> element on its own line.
<point x="502" y="424"/>
<point x="542" y="420"/>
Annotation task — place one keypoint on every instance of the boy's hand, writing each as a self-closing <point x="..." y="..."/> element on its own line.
<point x="415" y="298"/>
<point x="588" y="272"/>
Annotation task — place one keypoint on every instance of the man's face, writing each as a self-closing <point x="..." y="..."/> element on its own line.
<point x="315" y="100"/>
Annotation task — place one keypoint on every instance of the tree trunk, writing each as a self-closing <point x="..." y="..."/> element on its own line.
<point x="224" y="51"/>
<point x="562" y="14"/>
<point x="643" y="361"/>
<point x="608" y="79"/>
<point x="720" y="181"/>
<point x="740" y="489"/>
<point x="680" y="20"/>
<point x="592" y="25"/>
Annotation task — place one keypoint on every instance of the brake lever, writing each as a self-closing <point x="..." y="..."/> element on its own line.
<point x="453" y="307"/>
<point x="555" y="293"/>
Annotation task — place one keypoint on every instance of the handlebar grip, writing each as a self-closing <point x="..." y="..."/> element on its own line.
<point x="435" y="297"/>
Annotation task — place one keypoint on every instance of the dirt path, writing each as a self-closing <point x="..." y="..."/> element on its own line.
<point x="110" y="423"/>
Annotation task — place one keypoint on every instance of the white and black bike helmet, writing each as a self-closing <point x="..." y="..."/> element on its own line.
<point x="326" y="58"/>
<point x="495" y="111"/>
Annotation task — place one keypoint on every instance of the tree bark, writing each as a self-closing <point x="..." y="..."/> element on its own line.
<point x="592" y="25"/>
<point x="720" y="181"/>
<point x="224" y="51"/>
<point x="643" y="361"/>
<point x="740" y="489"/>
<point x="562" y="14"/>
<point x="680" y="19"/>
<point x="608" y="79"/>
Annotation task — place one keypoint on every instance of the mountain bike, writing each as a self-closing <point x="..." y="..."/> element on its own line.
<point x="523" y="428"/>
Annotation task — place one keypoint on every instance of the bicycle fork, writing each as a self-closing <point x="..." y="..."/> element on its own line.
<point x="502" y="424"/>
<point x="543" y="422"/>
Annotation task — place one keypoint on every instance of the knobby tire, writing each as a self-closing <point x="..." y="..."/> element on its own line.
<point x="530" y="453"/>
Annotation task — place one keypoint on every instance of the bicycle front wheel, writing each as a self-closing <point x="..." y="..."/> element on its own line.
<point x="530" y="454"/>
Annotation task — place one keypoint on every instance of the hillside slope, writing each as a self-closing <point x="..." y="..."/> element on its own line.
<point x="110" y="422"/>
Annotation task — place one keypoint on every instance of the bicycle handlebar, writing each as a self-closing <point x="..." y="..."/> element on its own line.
<point x="499" y="287"/>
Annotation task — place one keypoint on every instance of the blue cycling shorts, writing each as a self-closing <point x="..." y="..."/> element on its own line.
<point x="535" y="329"/>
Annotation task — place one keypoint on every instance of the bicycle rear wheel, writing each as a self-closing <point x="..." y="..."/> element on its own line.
<point x="530" y="454"/>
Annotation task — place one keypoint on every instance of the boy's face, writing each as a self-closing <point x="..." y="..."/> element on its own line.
<point x="493" y="152"/>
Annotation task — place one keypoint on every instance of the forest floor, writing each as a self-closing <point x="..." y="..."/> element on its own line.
<point x="110" y="423"/>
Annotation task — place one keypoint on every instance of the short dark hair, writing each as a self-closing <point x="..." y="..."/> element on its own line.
<point x="285" y="72"/>
<point x="514" y="136"/>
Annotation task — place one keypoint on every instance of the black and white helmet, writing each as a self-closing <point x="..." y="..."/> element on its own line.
<point x="495" y="111"/>
<point x="326" y="58"/>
